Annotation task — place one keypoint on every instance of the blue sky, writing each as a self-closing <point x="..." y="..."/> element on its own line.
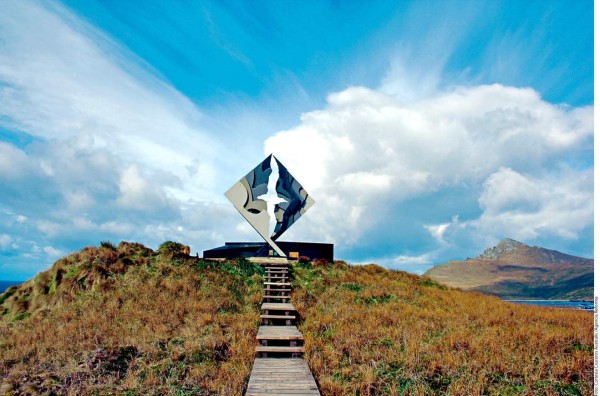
<point x="425" y="130"/>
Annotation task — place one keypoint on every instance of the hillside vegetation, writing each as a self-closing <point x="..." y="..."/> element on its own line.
<point x="372" y="331"/>
<point x="128" y="320"/>
<point x="513" y="270"/>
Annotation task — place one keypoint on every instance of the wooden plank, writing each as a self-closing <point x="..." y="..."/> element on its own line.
<point x="268" y="379"/>
<point x="270" y="371"/>
<point x="277" y="317"/>
<point x="278" y="283"/>
<point x="296" y="393"/>
<point x="283" y="388"/>
<point x="278" y="306"/>
<point x="278" y="349"/>
<point x="269" y="261"/>
<point x="279" y="333"/>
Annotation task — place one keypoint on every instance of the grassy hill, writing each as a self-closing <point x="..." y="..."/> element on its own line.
<point x="373" y="331"/>
<point x="130" y="321"/>
<point x="127" y="320"/>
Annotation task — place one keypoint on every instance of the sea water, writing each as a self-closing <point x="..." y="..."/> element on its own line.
<point x="6" y="284"/>
<point x="585" y="305"/>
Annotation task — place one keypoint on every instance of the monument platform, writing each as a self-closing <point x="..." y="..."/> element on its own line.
<point x="293" y="250"/>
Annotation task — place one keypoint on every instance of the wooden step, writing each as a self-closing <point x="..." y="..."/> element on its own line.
<point x="276" y="349"/>
<point x="276" y="376"/>
<point x="277" y="290"/>
<point x="284" y="317"/>
<point x="278" y="297"/>
<point x="277" y="284"/>
<point x="279" y="333"/>
<point x="277" y="307"/>
<point x="275" y="299"/>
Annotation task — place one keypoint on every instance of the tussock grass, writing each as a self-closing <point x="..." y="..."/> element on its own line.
<point x="372" y="331"/>
<point x="126" y="320"/>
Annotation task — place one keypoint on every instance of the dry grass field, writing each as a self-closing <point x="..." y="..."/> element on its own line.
<point x="371" y="331"/>
<point x="129" y="321"/>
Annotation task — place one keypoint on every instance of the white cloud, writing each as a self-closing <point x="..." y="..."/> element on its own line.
<point x="367" y="154"/>
<point x="114" y="153"/>
<point x="5" y="241"/>
<point x="526" y="207"/>
<point x="117" y="153"/>
<point x="438" y="230"/>
<point x="138" y="193"/>
<point x="62" y="78"/>
<point x="52" y="252"/>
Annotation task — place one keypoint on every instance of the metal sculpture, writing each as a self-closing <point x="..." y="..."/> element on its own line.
<point x="254" y="198"/>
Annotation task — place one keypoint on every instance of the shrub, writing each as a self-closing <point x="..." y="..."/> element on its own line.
<point x="108" y="245"/>
<point x="170" y="249"/>
<point x="248" y="268"/>
<point x="321" y="263"/>
<point x="11" y="290"/>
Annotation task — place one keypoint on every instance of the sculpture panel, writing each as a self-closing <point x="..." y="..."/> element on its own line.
<point x="291" y="203"/>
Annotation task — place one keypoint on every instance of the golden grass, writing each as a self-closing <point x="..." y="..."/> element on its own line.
<point x="371" y="331"/>
<point x="136" y="324"/>
<point x="126" y="320"/>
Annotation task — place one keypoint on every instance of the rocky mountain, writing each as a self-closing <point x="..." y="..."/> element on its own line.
<point x="513" y="269"/>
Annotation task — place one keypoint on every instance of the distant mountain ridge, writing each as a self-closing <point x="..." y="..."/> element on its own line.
<point x="513" y="269"/>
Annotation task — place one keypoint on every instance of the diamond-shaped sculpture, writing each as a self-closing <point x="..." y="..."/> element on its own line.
<point x="292" y="200"/>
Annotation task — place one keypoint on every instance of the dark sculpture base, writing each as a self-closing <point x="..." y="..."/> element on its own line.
<point x="293" y="250"/>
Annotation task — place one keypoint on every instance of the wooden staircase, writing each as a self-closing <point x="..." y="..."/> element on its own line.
<point x="279" y="367"/>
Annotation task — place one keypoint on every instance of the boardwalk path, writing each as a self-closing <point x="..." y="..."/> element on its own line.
<point x="279" y="368"/>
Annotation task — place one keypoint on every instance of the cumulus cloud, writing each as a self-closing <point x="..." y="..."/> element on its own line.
<point x="526" y="207"/>
<point x="508" y="152"/>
